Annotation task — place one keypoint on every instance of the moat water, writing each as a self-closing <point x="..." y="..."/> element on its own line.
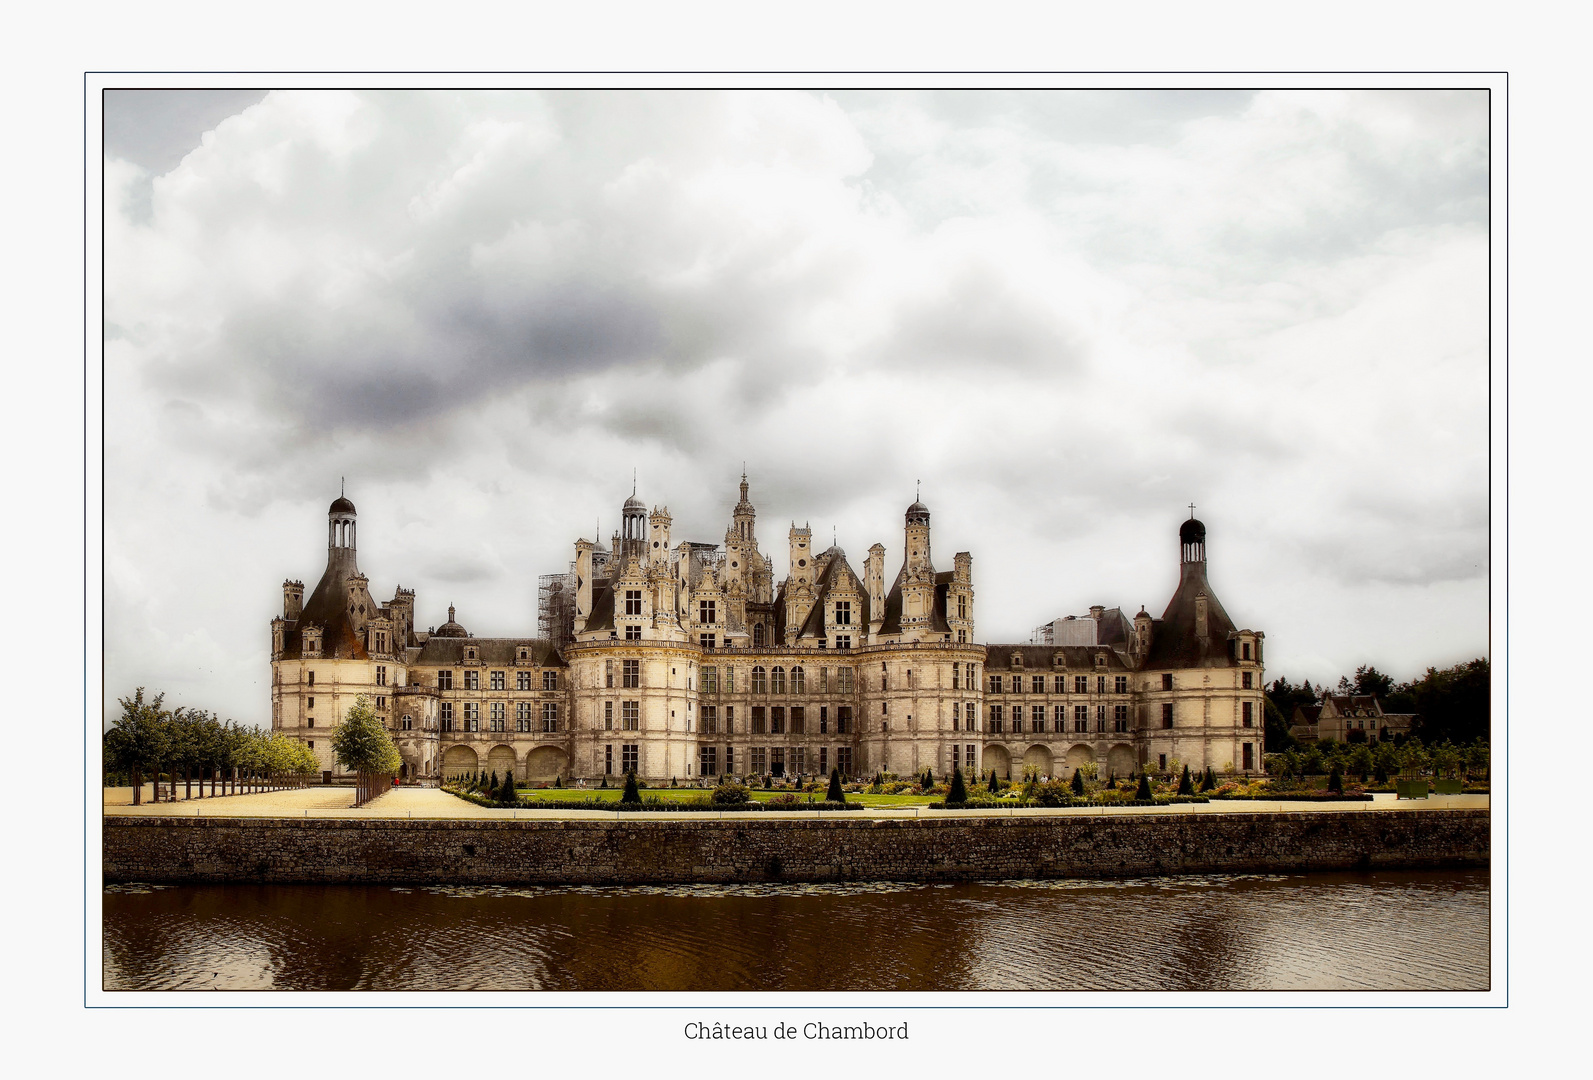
<point x="1352" y="931"/>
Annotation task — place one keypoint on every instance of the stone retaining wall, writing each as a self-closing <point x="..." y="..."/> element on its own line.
<point x="497" y="852"/>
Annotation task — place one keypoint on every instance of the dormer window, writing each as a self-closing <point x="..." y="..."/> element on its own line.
<point x="524" y="655"/>
<point x="1100" y="660"/>
<point x="1017" y="660"/>
<point x="1057" y="660"/>
<point x="470" y="654"/>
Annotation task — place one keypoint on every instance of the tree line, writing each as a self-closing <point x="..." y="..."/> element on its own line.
<point x="1451" y="703"/>
<point x="149" y="738"/>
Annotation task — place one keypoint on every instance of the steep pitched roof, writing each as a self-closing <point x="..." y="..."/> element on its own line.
<point x="1175" y="641"/>
<point x="505" y="651"/>
<point x="1076" y="659"/>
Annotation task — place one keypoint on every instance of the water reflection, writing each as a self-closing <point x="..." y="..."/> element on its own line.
<point x="1406" y="930"/>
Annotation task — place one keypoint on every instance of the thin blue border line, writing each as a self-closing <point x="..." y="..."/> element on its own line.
<point x="86" y="357"/>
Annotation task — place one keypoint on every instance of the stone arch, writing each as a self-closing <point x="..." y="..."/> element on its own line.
<point x="460" y="760"/>
<point x="996" y="757"/>
<point x="545" y="762"/>
<point x="1079" y="754"/>
<point x="500" y="760"/>
<point x="1038" y="758"/>
<point x="1120" y="760"/>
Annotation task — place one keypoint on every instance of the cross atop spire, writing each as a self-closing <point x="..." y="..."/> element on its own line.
<point x="342" y="485"/>
<point x="1191" y="510"/>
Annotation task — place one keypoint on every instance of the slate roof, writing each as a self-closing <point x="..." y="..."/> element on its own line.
<point x="443" y="652"/>
<point x="892" y="623"/>
<point x="813" y="625"/>
<point x="327" y="607"/>
<point x="1077" y="659"/>
<point x="1174" y="643"/>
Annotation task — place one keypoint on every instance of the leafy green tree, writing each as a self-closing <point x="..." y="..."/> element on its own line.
<point x="1477" y="759"/>
<point x="1361" y="762"/>
<point x="1078" y="782"/>
<point x="1186" y="786"/>
<point x="835" y="794"/>
<point x="1368" y="680"/>
<point x="1453" y="703"/>
<point x="137" y="739"/>
<point x="1143" y="792"/>
<point x="361" y="742"/>
<point x="631" y="794"/>
<point x="958" y="792"/>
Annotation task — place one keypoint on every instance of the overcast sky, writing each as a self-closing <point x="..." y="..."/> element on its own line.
<point x="1068" y="314"/>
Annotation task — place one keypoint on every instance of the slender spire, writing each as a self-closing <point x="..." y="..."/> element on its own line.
<point x="1191" y="511"/>
<point x="342" y="486"/>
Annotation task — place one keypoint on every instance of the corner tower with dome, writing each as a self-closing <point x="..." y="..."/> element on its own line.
<point x="688" y="660"/>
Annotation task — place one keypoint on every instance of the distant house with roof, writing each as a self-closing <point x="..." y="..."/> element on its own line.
<point x="1348" y="718"/>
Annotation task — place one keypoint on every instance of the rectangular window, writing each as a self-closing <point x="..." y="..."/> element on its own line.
<point x="633" y="601"/>
<point x="522" y="723"/>
<point x="472" y="711"/>
<point x="1249" y="756"/>
<point x="310" y="703"/>
<point x="843" y="613"/>
<point x="777" y="760"/>
<point x="995" y="684"/>
<point x="710" y="719"/>
<point x="1161" y="762"/>
<point x="843" y="719"/>
<point x="522" y="680"/>
<point x="550" y="680"/>
<point x="310" y="677"/>
<point x="608" y="759"/>
<point x="843" y="641"/>
<point x="996" y="719"/>
<point x="760" y="760"/>
<point x="956" y="715"/>
<point x="550" y="716"/>
<point x="1247" y="650"/>
<point x="1037" y="684"/>
<point x="1120" y="684"/>
<point x="608" y="716"/>
<point x="629" y="758"/>
<point x="608" y="674"/>
<point x="758" y="720"/>
<point x="447" y="716"/>
<point x="799" y="719"/>
<point x="1100" y="684"/>
<point x="824" y="680"/>
<point x="824" y="760"/>
<point x="1081" y="718"/>
<point x="708" y="761"/>
<point x="1167" y="681"/>
<point x="1167" y="714"/>
<point x="777" y="720"/>
<point x="1017" y="719"/>
<point x="495" y="724"/>
<point x="730" y="681"/>
<point x="496" y="680"/>
<point x="730" y="726"/>
<point x="1081" y="684"/>
<point x="632" y="673"/>
<point x="777" y="680"/>
<point x="1245" y="680"/>
<point x="445" y="680"/>
<point x="843" y="760"/>
<point x="1249" y="716"/>
<point x="968" y="757"/>
<point x="962" y="607"/>
<point x="824" y="719"/>
<point x="381" y="674"/>
<point x="631" y="715"/>
<point x="633" y="632"/>
<point x="499" y="710"/>
<point x="472" y="680"/>
<point x="705" y="641"/>
<point x="843" y="680"/>
<point x="1059" y="684"/>
<point x="710" y="680"/>
<point x="1037" y="717"/>
<point x="705" y="611"/>
<point x="381" y="702"/>
<point x="1120" y="718"/>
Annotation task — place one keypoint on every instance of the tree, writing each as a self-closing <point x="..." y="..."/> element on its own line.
<point x="1209" y="783"/>
<point x="361" y="743"/>
<point x="1361" y="762"/>
<point x="1186" y="786"/>
<point x="631" y="794"/>
<point x="1368" y="680"/>
<point x="958" y="792"/>
<point x="1453" y="703"/>
<point x="1143" y="792"/>
<point x="1336" y="780"/>
<point x="835" y="794"/>
<point x="507" y="795"/>
<point x="137" y="739"/>
<point x="1078" y="781"/>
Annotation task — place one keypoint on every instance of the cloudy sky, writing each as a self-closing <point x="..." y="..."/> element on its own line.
<point x="1068" y="314"/>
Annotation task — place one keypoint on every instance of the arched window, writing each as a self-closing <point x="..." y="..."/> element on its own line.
<point x="777" y="680"/>
<point x="798" y="681"/>
<point x="760" y="680"/>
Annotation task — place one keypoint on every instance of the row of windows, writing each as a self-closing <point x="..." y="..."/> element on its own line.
<point x="496" y="680"/>
<point x="525" y="716"/>
<point x="1059" y="684"/>
<point x="776" y="680"/>
<point x="1059" y="718"/>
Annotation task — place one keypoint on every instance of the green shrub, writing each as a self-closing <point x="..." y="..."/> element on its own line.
<point x="835" y="794"/>
<point x="1078" y="782"/>
<point x="1143" y="792"/>
<point x="730" y="793"/>
<point x="1053" y="793"/>
<point x="1210" y="780"/>
<point x="631" y="794"/>
<point x="1185" y="785"/>
<point x="959" y="791"/>
<point x="768" y="781"/>
<point x="1336" y="780"/>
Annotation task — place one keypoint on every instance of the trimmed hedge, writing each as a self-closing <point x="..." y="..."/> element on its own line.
<point x="997" y="804"/>
<point x="656" y="805"/>
<point x="1292" y="796"/>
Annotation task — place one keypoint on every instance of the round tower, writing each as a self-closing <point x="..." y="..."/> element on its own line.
<point x="1192" y="541"/>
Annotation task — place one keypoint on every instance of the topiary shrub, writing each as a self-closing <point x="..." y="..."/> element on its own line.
<point x="1210" y="780"/>
<point x="1186" y="786"/>
<point x="604" y="784"/>
<point x="959" y="791"/>
<point x="1078" y="782"/>
<point x="835" y="794"/>
<point x="631" y="794"/>
<point x="1336" y="780"/>
<point x="1143" y="792"/>
<point x="768" y="781"/>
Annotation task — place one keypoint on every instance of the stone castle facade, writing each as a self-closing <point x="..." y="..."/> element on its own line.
<point x="687" y="660"/>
